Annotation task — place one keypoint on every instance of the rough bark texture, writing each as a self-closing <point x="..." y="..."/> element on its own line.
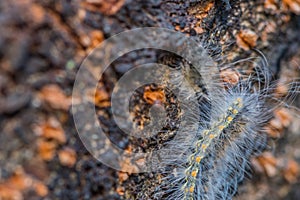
<point x="42" y="44"/>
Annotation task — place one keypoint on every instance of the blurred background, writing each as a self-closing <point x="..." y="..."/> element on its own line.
<point x="42" y="44"/>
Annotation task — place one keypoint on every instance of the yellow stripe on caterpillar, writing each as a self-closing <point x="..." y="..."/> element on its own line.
<point x="192" y="188"/>
<point x="229" y="118"/>
<point x="198" y="159"/>
<point x="201" y="145"/>
<point x="204" y="146"/>
<point x="221" y="127"/>
<point x="194" y="173"/>
<point x="211" y="136"/>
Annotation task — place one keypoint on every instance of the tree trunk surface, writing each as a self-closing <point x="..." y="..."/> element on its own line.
<point x="43" y="44"/>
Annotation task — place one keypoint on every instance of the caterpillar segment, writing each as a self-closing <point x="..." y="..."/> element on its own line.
<point x="194" y="162"/>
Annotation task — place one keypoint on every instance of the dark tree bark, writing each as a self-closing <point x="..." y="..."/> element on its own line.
<point x="43" y="43"/>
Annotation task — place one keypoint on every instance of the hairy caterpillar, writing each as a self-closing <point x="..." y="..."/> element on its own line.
<point x="210" y="163"/>
<point x="236" y="132"/>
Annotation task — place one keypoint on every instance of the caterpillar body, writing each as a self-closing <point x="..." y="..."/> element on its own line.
<point x="210" y="163"/>
<point x="205" y="142"/>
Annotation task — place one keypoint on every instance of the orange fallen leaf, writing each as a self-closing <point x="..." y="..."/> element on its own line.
<point x="282" y="89"/>
<point x="51" y="130"/>
<point x="127" y="166"/>
<point x="96" y="37"/>
<point x="67" y="157"/>
<point x="55" y="97"/>
<point x="55" y="133"/>
<point x="230" y="76"/>
<point x="199" y="30"/>
<point x="123" y="176"/>
<point x="12" y="188"/>
<point x="276" y="123"/>
<point x="291" y="171"/>
<point x="8" y="193"/>
<point x="201" y="11"/>
<point x="246" y="39"/>
<point x="102" y="98"/>
<point x="46" y="149"/>
<point x="107" y="7"/>
<point x="37" y="12"/>
<point x="284" y="116"/>
<point x="154" y="96"/>
<point x="129" y="149"/>
<point x="272" y="132"/>
<point x="270" y="4"/>
<point x="282" y="119"/>
<point x="20" y="180"/>
<point x="120" y="190"/>
<point x="293" y="5"/>
<point x="269" y="163"/>
<point x="40" y="188"/>
<point x="269" y="28"/>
